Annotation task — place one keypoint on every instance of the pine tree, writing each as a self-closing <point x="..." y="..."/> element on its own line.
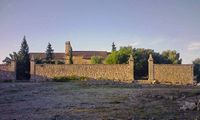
<point x="113" y="47"/>
<point x="49" y="53"/>
<point x="23" y="62"/>
<point x="70" y="56"/>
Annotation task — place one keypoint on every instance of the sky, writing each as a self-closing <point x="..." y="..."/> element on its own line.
<point x="95" y="24"/>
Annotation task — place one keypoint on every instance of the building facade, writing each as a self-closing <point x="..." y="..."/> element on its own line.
<point x="78" y="57"/>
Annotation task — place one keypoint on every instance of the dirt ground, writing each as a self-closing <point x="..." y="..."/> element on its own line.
<point x="95" y="101"/>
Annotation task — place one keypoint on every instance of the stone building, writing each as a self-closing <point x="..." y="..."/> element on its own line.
<point x="78" y="57"/>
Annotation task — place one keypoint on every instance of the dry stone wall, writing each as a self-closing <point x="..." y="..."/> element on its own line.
<point x="6" y="72"/>
<point x="118" y="72"/>
<point x="163" y="73"/>
<point x="175" y="74"/>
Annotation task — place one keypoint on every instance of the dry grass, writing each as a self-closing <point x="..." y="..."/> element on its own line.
<point x="81" y="100"/>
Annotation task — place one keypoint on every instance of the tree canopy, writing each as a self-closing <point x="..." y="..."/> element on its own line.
<point x="196" y="64"/>
<point x="96" y="60"/>
<point x="22" y="60"/>
<point x="171" y="57"/>
<point x="113" y="47"/>
<point x="119" y="57"/>
<point x="141" y="56"/>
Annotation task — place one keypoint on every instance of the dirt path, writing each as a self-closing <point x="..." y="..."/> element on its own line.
<point x="77" y="100"/>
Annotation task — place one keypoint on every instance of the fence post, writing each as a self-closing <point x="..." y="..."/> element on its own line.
<point x="32" y="68"/>
<point x="150" y="68"/>
<point x="131" y="63"/>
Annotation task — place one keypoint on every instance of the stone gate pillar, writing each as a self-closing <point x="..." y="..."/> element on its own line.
<point x="32" y="69"/>
<point x="13" y="70"/>
<point x="150" y="68"/>
<point x="131" y="63"/>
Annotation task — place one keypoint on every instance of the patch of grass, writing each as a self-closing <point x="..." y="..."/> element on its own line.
<point x="8" y="81"/>
<point x="68" y="78"/>
<point x="115" y="102"/>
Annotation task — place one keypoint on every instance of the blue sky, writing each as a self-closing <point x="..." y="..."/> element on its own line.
<point x="95" y="24"/>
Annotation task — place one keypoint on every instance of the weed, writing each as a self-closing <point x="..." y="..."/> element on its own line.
<point x="68" y="78"/>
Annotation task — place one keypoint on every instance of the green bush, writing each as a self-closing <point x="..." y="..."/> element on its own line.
<point x="119" y="57"/>
<point x="60" y="62"/>
<point x="96" y="59"/>
<point x="113" y="58"/>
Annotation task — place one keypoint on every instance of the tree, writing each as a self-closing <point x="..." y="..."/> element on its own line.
<point x="196" y="61"/>
<point x="141" y="56"/>
<point x="11" y="57"/>
<point x="14" y="56"/>
<point x="23" y="62"/>
<point x="124" y="54"/>
<point x="70" y="56"/>
<point x="96" y="60"/>
<point x="196" y="64"/>
<point x="7" y="60"/>
<point x="119" y="57"/>
<point x="171" y="57"/>
<point x="49" y="53"/>
<point x="113" y="47"/>
<point x="112" y="58"/>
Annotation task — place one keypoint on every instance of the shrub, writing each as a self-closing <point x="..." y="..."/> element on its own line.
<point x="119" y="57"/>
<point x="96" y="59"/>
<point x="113" y="58"/>
<point x="61" y="79"/>
<point x="49" y="62"/>
<point x="84" y="78"/>
<point x="38" y="61"/>
<point x="68" y="78"/>
<point x="60" y="62"/>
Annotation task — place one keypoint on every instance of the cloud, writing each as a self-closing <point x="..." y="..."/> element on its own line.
<point x="194" y="46"/>
<point x="134" y="44"/>
<point x="128" y="43"/>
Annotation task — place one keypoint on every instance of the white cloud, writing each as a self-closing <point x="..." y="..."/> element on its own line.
<point x="134" y="44"/>
<point x="128" y="43"/>
<point x="194" y="46"/>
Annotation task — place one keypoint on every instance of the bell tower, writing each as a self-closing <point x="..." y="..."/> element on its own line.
<point x="68" y="52"/>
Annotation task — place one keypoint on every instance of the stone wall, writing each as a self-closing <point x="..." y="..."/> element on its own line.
<point x="7" y="72"/>
<point x="117" y="72"/>
<point x="80" y="60"/>
<point x="163" y="73"/>
<point x="175" y="74"/>
<point x="170" y="73"/>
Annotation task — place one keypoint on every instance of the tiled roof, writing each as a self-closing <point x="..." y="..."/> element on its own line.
<point x="43" y="55"/>
<point x="85" y="54"/>
<point x="89" y="54"/>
